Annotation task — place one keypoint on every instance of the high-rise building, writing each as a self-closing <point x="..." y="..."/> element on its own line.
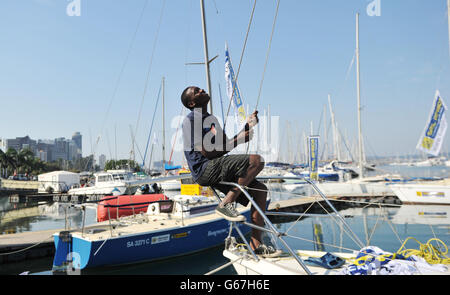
<point x="77" y="138"/>
<point x="60" y="150"/>
<point x="47" y="150"/>
<point x="21" y="143"/>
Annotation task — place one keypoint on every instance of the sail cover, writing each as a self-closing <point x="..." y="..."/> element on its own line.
<point x="433" y="135"/>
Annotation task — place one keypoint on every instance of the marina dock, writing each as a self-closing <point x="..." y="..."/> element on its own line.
<point x="29" y="245"/>
<point x="9" y="187"/>
<point x="302" y="203"/>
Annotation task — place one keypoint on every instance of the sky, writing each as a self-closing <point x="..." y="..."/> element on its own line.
<point x="97" y="68"/>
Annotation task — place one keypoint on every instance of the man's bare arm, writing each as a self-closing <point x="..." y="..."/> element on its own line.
<point x="229" y="144"/>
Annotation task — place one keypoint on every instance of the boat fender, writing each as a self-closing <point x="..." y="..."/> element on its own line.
<point x="153" y="209"/>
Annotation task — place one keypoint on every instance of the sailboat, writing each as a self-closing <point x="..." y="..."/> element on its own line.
<point x="361" y="185"/>
<point x="429" y="192"/>
<point x="174" y="184"/>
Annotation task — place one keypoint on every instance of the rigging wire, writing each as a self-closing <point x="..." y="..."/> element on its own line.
<point x="151" y="126"/>
<point x="149" y="70"/>
<point x="349" y="232"/>
<point x="188" y="22"/>
<point x="176" y="133"/>
<point x="265" y="63"/>
<point x="430" y="253"/>
<point x="267" y="54"/>
<point x="119" y="78"/>
<point x="240" y="60"/>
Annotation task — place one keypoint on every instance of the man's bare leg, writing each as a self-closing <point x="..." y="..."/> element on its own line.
<point x="256" y="164"/>
<point x="258" y="191"/>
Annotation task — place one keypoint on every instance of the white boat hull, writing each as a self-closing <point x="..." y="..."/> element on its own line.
<point x="354" y="188"/>
<point x="417" y="214"/>
<point x="108" y="190"/>
<point x="422" y="193"/>
<point x="171" y="185"/>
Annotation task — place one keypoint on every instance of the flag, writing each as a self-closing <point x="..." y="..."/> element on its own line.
<point x="233" y="89"/>
<point x="433" y="135"/>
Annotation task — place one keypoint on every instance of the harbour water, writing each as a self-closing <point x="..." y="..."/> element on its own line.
<point x="384" y="227"/>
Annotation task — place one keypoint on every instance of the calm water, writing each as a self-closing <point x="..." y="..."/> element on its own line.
<point x="384" y="227"/>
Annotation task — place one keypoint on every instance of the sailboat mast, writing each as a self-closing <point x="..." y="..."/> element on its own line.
<point x="448" y="15"/>
<point x="205" y="42"/>
<point x="325" y="153"/>
<point x="164" y="129"/>
<point x="336" y="148"/>
<point x="358" y="90"/>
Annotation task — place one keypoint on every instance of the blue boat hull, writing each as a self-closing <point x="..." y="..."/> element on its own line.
<point x="145" y="246"/>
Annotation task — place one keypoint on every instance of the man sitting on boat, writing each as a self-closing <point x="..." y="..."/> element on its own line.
<point x="205" y="147"/>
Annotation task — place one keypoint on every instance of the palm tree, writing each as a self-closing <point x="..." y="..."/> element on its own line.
<point x="3" y="162"/>
<point x="11" y="160"/>
<point x="25" y="159"/>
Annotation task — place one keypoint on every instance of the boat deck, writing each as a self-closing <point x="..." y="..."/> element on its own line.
<point x="142" y="223"/>
<point x="287" y="265"/>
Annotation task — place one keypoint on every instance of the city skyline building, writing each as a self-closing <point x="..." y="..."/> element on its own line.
<point x="47" y="150"/>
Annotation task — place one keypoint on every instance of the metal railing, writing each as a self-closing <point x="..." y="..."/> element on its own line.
<point x="271" y="228"/>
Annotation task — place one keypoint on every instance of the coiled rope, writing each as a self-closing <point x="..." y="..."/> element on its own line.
<point x="427" y="251"/>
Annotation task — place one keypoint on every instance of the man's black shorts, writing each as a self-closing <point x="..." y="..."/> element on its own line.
<point x="226" y="168"/>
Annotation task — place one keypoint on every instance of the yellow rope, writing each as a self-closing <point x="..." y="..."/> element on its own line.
<point x="427" y="251"/>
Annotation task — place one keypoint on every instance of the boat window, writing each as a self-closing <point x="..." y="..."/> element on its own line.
<point x="102" y="178"/>
<point x="119" y="177"/>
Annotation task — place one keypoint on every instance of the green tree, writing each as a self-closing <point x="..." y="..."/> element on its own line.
<point x="12" y="161"/>
<point x="25" y="161"/>
<point x="3" y="164"/>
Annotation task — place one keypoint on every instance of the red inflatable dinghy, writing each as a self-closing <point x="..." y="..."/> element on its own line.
<point x="139" y="202"/>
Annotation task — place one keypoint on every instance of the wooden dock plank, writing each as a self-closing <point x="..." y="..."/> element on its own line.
<point x="26" y="238"/>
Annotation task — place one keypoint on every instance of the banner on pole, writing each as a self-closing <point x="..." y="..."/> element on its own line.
<point x="433" y="135"/>
<point x="313" y="151"/>
<point x="233" y="89"/>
